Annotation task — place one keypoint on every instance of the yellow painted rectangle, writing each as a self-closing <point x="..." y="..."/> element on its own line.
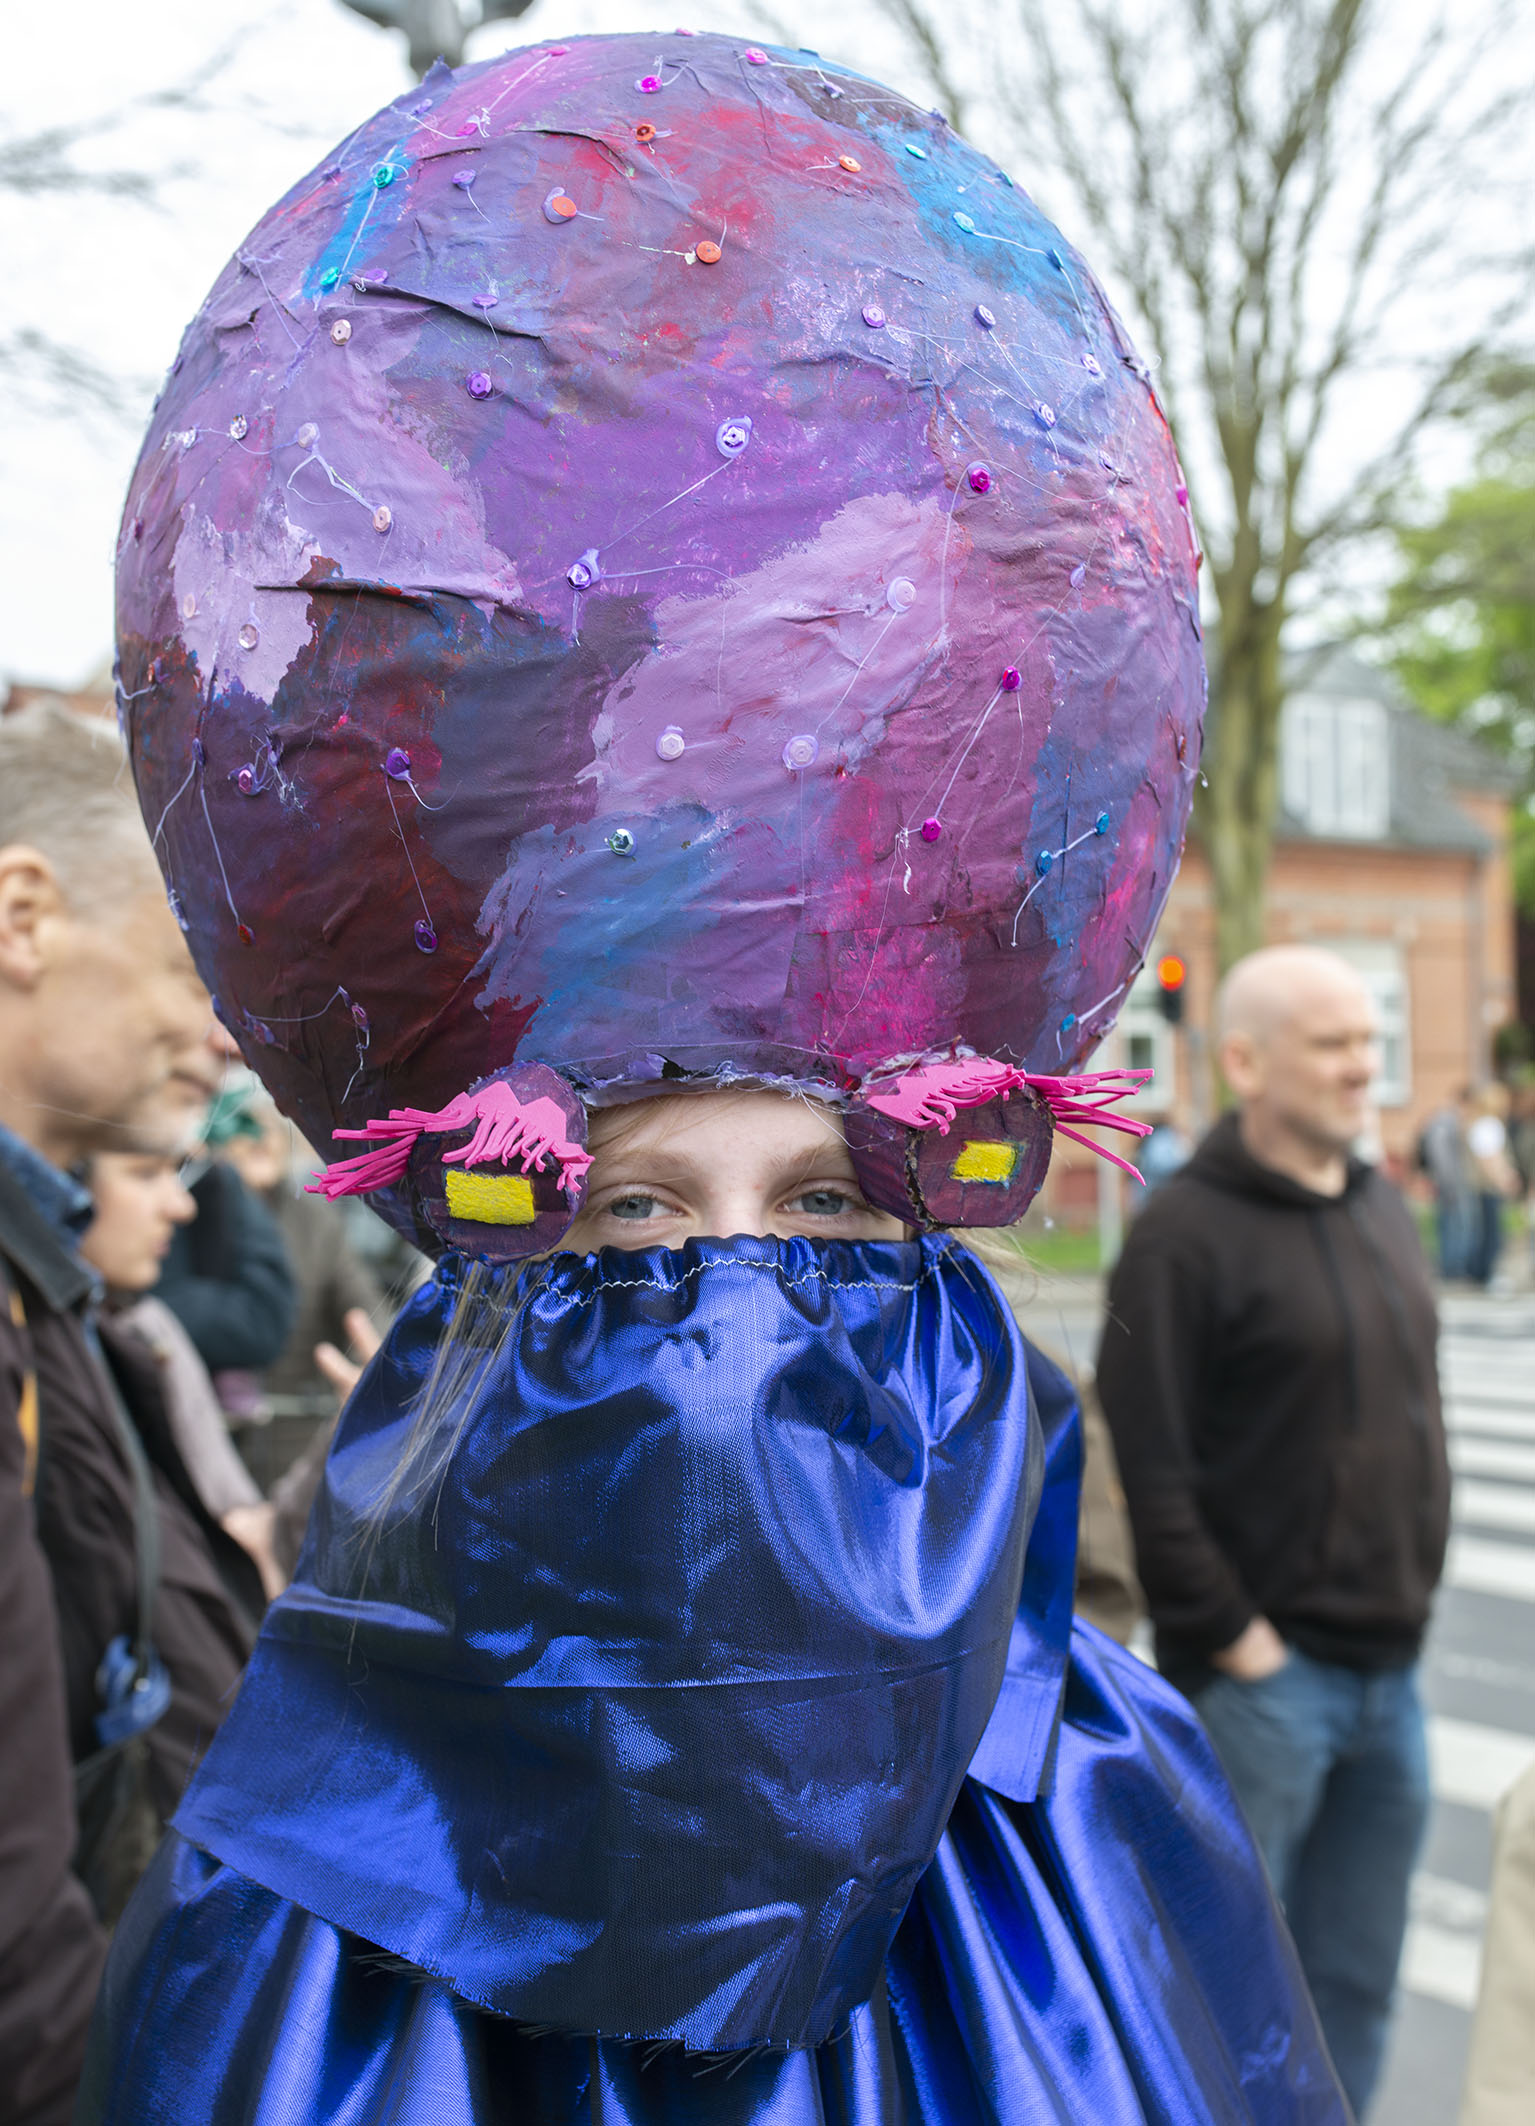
<point x="490" y="1199"/>
<point x="985" y="1159"/>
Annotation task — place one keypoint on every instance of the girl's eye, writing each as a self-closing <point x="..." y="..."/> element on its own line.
<point x="632" y="1207"/>
<point x="823" y="1203"/>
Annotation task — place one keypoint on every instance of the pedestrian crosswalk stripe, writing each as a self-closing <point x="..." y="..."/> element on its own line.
<point x="1487" y="1395"/>
<point x="1443" y="1966"/>
<point x="1442" y="1955"/>
<point x="1484" y="1567"/>
<point x="1481" y="1413"/>
<point x="1496" y="1420"/>
<point x="1444" y="1902"/>
<point x="1488" y="1384"/>
<point x="1472" y="1765"/>
<point x="1495" y="1505"/>
<point x="1478" y="1457"/>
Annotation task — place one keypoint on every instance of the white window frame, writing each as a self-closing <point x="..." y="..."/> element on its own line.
<point x="1335" y="767"/>
<point x="1381" y="965"/>
<point x="1142" y="1020"/>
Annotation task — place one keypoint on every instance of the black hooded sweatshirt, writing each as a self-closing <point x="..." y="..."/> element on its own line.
<point x="1268" y="1372"/>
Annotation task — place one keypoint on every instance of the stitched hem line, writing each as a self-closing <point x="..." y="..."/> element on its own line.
<point x="450" y="1275"/>
<point x="773" y="1269"/>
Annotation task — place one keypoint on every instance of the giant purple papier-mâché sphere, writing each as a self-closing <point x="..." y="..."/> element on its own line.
<point x="656" y="559"/>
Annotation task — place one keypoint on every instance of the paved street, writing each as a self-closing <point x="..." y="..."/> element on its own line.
<point x="1480" y="1675"/>
<point x="1479" y="1668"/>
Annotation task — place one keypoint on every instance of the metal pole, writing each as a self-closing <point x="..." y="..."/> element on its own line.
<point x="1111" y="1202"/>
<point x="1111" y="1214"/>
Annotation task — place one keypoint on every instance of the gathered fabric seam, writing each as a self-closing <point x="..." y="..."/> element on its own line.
<point x="790" y="1284"/>
<point x="720" y="1262"/>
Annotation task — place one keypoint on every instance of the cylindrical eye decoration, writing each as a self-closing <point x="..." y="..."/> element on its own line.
<point x="502" y="1209"/>
<point x="985" y="1170"/>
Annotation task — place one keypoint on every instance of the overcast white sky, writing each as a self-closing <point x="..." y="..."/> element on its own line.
<point x="117" y="281"/>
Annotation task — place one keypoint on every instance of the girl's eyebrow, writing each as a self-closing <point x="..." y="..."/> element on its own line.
<point x="833" y="1164"/>
<point x="637" y="1170"/>
<point x="666" y="1169"/>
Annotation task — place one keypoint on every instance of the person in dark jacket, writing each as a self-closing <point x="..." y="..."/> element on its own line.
<point x="247" y="1133"/>
<point x="1268" y="1371"/>
<point x="227" y="1278"/>
<point x="122" y="1606"/>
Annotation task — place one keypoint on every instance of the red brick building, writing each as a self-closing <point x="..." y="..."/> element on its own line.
<point x="1392" y="849"/>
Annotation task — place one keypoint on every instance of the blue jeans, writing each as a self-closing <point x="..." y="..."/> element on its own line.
<point x="1458" y="1220"/>
<point x="1487" y="1242"/>
<point x="1331" y="1768"/>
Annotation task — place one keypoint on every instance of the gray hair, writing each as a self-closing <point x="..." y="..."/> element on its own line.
<point x="65" y="791"/>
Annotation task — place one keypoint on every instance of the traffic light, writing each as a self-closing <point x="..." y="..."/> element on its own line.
<point x="1171" y="976"/>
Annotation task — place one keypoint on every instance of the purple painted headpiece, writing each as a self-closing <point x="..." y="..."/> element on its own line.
<point x="655" y="561"/>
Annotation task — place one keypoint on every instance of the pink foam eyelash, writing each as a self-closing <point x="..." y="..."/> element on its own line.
<point x="533" y="1131"/>
<point x="930" y="1095"/>
<point x="505" y="1128"/>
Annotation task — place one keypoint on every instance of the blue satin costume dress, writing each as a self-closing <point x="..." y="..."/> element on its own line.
<point x="702" y="1734"/>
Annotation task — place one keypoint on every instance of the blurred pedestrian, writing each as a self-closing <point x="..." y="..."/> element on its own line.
<point x="227" y="1277"/>
<point x="330" y="1282"/>
<point x="1494" y="1181"/>
<point x="139" y="1201"/>
<point x="1521" y="1131"/>
<point x="121" y="1626"/>
<point x="1500" y="2075"/>
<point x="1521" y="1150"/>
<point x="1268" y="1371"/>
<point x="1161" y="1155"/>
<point x="340" y="1365"/>
<point x="1443" y="1156"/>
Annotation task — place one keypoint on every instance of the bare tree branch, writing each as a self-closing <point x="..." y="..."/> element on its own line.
<point x="1276" y="184"/>
<point x="921" y="33"/>
<point x="47" y="163"/>
<point x="59" y="377"/>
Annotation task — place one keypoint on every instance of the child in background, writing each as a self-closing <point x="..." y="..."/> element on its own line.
<point x="1493" y="1177"/>
<point x="139" y="1202"/>
<point x="331" y="1283"/>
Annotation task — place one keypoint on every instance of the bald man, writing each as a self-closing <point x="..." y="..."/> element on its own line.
<point x="1268" y="1372"/>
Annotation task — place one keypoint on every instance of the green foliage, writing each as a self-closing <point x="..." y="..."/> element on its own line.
<point x="1057" y="1250"/>
<point x="1461" y="617"/>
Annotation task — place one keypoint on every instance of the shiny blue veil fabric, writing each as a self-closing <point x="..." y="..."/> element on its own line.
<point x="646" y="1712"/>
<point x="641" y="1711"/>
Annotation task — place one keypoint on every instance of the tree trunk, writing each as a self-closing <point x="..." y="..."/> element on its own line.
<point x="434" y="29"/>
<point x="1234" y="811"/>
